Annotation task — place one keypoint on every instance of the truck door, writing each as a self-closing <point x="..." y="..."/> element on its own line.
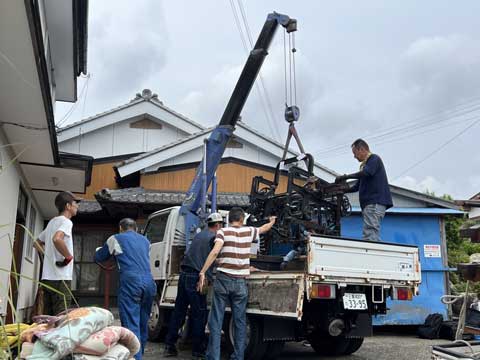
<point x="156" y="232"/>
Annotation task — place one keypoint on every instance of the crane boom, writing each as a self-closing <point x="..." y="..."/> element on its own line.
<point x="222" y="133"/>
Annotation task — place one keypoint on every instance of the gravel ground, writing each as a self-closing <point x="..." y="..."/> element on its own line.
<point x="384" y="345"/>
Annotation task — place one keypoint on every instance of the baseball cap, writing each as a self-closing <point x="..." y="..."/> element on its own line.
<point x="214" y="217"/>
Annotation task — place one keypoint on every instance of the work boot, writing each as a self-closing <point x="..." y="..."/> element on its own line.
<point x="170" y="351"/>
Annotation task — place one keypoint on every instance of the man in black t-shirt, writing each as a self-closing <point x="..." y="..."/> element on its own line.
<point x="373" y="189"/>
<point x="187" y="291"/>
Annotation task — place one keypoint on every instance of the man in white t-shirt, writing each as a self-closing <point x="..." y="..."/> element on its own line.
<point x="55" y="247"/>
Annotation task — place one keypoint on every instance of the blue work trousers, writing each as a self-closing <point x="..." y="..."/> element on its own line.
<point x="232" y="291"/>
<point x="135" y="297"/>
<point x="188" y="295"/>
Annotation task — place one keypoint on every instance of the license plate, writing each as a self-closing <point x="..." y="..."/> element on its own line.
<point x="355" y="301"/>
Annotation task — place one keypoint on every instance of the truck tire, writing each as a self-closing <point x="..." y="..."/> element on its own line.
<point x="158" y="322"/>
<point x="255" y="347"/>
<point x="274" y="349"/>
<point x="327" y="345"/>
<point x="354" y="345"/>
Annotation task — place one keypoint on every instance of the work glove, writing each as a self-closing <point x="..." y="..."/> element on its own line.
<point x="340" y="179"/>
<point x="65" y="261"/>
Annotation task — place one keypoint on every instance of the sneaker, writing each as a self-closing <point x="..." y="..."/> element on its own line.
<point x="170" y="351"/>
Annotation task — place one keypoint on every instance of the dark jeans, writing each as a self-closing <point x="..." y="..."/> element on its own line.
<point x="187" y="294"/>
<point x="54" y="303"/>
<point x="232" y="291"/>
<point x="135" y="297"/>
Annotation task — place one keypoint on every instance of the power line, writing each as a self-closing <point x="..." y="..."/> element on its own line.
<point x="438" y="149"/>
<point x="28" y="127"/>
<point x="85" y="98"/>
<point x="400" y="138"/>
<point x="400" y="131"/>
<point x="264" y="96"/>
<point x="67" y="115"/>
<point x="432" y="118"/>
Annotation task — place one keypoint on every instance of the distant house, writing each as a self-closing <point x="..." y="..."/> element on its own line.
<point x="471" y="206"/>
<point x="145" y="159"/>
<point x="43" y="48"/>
<point x="472" y="228"/>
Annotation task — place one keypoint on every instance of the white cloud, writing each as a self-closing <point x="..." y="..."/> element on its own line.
<point x="355" y="77"/>
<point x="126" y="46"/>
<point x="438" y="186"/>
<point x="440" y="71"/>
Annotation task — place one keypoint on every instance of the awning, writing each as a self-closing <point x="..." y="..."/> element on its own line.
<point x="73" y="174"/>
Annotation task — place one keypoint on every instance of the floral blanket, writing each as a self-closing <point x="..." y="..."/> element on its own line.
<point x="72" y="330"/>
<point x="117" y="352"/>
<point x="102" y="341"/>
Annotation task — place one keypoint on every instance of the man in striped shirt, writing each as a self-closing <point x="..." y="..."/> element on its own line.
<point x="232" y="248"/>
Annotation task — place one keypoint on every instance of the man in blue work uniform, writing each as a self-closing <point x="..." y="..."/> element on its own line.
<point x="372" y="185"/>
<point x="137" y="288"/>
<point x="187" y="293"/>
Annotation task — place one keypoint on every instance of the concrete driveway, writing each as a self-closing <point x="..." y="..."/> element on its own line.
<point x="382" y="346"/>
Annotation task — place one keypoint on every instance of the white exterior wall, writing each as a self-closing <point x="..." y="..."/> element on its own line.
<point x="120" y="139"/>
<point x="9" y="185"/>
<point x="10" y="180"/>
<point x="248" y="152"/>
<point x="474" y="213"/>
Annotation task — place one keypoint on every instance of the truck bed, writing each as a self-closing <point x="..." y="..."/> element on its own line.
<point x="358" y="261"/>
<point x="330" y="260"/>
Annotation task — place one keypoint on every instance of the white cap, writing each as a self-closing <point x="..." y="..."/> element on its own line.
<point x="214" y="217"/>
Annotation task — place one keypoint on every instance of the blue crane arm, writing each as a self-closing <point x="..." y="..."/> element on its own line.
<point x="222" y="133"/>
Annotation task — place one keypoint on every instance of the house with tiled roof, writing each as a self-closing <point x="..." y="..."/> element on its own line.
<point x="145" y="157"/>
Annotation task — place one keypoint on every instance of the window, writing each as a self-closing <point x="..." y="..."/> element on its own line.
<point x="233" y="144"/>
<point x="29" y="236"/>
<point x="156" y="228"/>
<point x="145" y="124"/>
<point x="88" y="276"/>
<point x="22" y="206"/>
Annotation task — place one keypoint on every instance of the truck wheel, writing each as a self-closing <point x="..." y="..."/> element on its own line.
<point x="354" y="345"/>
<point x="158" y="322"/>
<point x="274" y="349"/>
<point x="255" y="348"/>
<point x="329" y="345"/>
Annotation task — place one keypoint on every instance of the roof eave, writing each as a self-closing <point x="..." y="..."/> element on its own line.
<point x="80" y="14"/>
<point x="33" y="16"/>
<point x="424" y="197"/>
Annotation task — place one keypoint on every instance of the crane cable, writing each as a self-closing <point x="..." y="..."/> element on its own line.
<point x="264" y="98"/>
<point x="290" y="68"/>
<point x="260" y="77"/>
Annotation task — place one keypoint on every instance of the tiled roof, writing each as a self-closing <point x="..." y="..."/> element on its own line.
<point x="89" y="206"/>
<point x="145" y="96"/>
<point x="142" y="196"/>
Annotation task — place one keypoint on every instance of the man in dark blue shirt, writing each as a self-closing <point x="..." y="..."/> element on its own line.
<point x="373" y="189"/>
<point x="187" y="293"/>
